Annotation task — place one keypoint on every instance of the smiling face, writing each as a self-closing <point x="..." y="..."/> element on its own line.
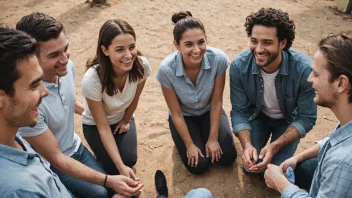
<point x="192" y="47"/>
<point x="122" y="52"/>
<point x="325" y="92"/>
<point x="22" y="108"/>
<point x="266" y="47"/>
<point x="53" y="57"/>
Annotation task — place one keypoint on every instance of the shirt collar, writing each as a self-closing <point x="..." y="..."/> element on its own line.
<point x="50" y="85"/>
<point x="341" y="133"/>
<point x="283" y="65"/>
<point x="15" y="155"/>
<point x="180" y="68"/>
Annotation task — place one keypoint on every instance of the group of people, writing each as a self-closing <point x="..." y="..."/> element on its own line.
<point x="274" y="95"/>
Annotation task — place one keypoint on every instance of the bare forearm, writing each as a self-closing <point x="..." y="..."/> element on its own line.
<point x="290" y="135"/>
<point x="79" y="108"/>
<point x="215" y="118"/>
<point x="130" y="110"/>
<point x="182" y="129"/>
<point x="76" y="169"/>
<point x="309" y="153"/>
<point x="110" y="146"/>
<point x="245" y="138"/>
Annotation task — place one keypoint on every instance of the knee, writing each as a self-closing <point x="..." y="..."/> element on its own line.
<point x="130" y="161"/>
<point x="202" y="166"/>
<point x="96" y="191"/>
<point x="228" y="158"/>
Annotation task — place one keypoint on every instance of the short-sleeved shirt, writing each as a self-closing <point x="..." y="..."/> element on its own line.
<point x="116" y="105"/>
<point x="26" y="174"/>
<point x="194" y="99"/>
<point x="56" y="112"/>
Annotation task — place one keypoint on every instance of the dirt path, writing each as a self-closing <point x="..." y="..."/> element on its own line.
<point x="151" y="19"/>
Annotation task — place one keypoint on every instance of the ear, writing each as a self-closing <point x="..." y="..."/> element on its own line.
<point x="177" y="45"/>
<point x="3" y="97"/>
<point x="342" y="83"/>
<point x="283" y="44"/>
<point x="105" y="51"/>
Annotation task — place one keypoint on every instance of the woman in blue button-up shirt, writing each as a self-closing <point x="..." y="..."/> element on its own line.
<point x="192" y="80"/>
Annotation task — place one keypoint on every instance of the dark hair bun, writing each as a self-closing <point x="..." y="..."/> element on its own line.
<point x="180" y="15"/>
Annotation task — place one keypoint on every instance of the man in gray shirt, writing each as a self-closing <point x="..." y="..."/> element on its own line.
<point x="23" y="173"/>
<point x="53" y="136"/>
<point x="331" y="78"/>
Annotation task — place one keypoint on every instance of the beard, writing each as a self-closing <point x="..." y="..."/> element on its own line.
<point x="271" y="58"/>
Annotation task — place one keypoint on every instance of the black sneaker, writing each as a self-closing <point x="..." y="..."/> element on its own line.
<point x="160" y="183"/>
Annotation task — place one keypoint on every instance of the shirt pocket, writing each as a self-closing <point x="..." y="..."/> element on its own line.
<point x="291" y="104"/>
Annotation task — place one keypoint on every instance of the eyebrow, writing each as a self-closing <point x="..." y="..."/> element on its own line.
<point x="53" y="53"/>
<point x="36" y="81"/>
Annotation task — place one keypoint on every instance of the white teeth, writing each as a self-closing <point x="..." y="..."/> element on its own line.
<point x="195" y="55"/>
<point x="126" y="62"/>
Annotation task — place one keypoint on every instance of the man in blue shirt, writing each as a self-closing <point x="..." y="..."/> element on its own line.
<point x="270" y="95"/>
<point x="331" y="78"/>
<point x="53" y="136"/>
<point x="22" y="172"/>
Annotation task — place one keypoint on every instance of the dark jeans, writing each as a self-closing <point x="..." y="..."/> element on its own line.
<point x="199" y="129"/>
<point x="304" y="173"/>
<point x="79" y="188"/>
<point x="264" y="126"/>
<point x="126" y="143"/>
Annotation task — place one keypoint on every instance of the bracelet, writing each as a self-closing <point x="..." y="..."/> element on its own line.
<point x="106" y="178"/>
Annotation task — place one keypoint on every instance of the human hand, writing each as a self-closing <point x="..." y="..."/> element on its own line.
<point x="128" y="172"/>
<point x="266" y="154"/>
<point x="123" y="185"/>
<point x="122" y="127"/>
<point x="292" y="161"/>
<point x="249" y="157"/>
<point x="192" y="155"/>
<point x="275" y="178"/>
<point x="213" y="147"/>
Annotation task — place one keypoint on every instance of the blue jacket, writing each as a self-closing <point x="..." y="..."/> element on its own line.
<point x="294" y="94"/>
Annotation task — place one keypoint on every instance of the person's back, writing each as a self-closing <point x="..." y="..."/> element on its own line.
<point x="22" y="172"/>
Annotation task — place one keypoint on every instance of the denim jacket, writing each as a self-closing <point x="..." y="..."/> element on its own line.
<point x="294" y="94"/>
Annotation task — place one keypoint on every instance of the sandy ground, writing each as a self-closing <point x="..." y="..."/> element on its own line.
<point x="223" y="20"/>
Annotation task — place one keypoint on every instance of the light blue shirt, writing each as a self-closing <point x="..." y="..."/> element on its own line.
<point x="56" y="112"/>
<point x="26" y="174"/>
<point x="333" y="175"/>
<point x="194" y="99"/>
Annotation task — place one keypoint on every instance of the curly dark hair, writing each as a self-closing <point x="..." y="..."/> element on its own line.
<point x="270" y="17"/>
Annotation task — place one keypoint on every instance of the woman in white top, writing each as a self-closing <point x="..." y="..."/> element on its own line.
<point x="111" y="87"/>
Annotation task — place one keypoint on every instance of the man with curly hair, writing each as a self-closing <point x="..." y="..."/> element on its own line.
<point x="270" y="95"/>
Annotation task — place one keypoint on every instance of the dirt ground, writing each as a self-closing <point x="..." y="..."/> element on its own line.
<point x="151" y="19"/>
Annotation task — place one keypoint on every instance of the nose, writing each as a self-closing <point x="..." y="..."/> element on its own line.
<point x="65" y="57"/>
<point x="196" y="49"/>
<point x="43" y="90"/>
<point x="310" y="77"/>
<point x="128" y="54"/>
<point x="259" y="48"/>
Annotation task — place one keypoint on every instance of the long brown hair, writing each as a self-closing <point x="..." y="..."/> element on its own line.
<point x="108" y="32"/>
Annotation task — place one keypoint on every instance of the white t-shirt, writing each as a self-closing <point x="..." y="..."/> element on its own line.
<point x="270" y="106"/>
<point x="114" y="106"/>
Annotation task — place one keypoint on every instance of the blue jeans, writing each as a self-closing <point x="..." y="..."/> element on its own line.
<point x="264" y="126"/>
<point x="79" y="188"/>
<point x="304" y="172"/>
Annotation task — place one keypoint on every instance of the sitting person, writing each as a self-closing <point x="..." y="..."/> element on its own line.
<point x="53" y="136"/>
<point x="23" y="173"/>
<point x="332" y="81"/>
<point x="192" y="81"/>
<point x="111" y="87"/>
<point x="270" y="95"/>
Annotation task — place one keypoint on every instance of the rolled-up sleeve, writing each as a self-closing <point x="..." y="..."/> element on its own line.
<point x="239" y="102"/>
<point x="306" y="108"/>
